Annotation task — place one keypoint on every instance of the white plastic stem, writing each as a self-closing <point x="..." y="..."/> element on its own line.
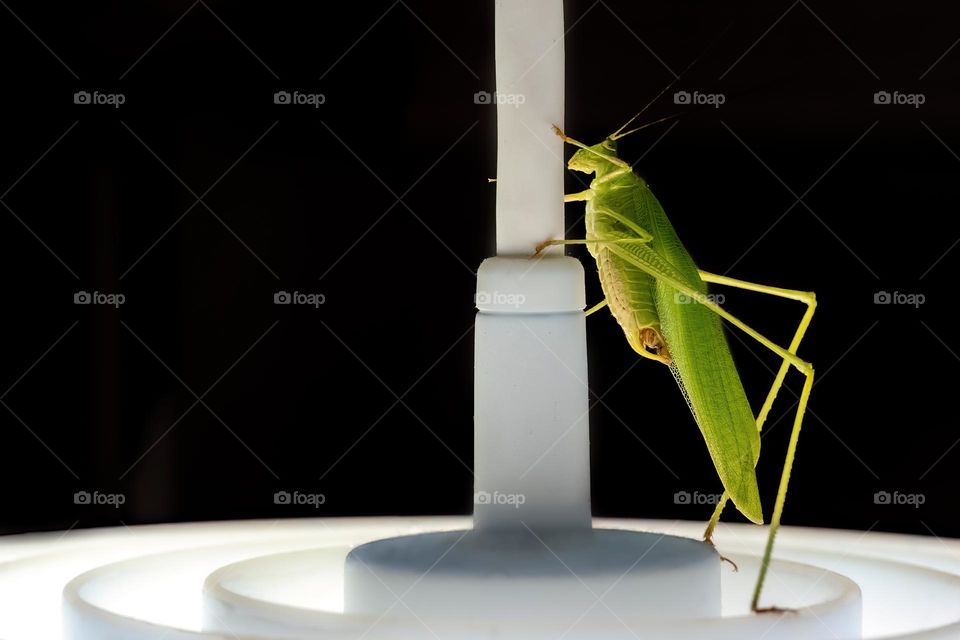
<point x="529" y="56"/>
<point x="532" y="459"/>
<point x="531" y="438"/>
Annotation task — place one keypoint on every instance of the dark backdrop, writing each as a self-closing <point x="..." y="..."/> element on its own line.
<point x="198" y="199"/>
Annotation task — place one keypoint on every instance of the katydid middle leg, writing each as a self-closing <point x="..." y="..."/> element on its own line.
<point x="553" y="243"/>
<point x="581" y="196"/>
<point x="592" y="310"/>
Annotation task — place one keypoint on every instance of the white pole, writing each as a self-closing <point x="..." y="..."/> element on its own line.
<point x="529" y="58"/>
<point x="532" y="459"/>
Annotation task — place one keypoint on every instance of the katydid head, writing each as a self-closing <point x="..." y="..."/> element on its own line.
<point x="599" y="159"/>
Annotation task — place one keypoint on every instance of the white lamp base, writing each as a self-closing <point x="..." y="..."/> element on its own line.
<point x="261" y="579"/>
<point x="586" y="577"/>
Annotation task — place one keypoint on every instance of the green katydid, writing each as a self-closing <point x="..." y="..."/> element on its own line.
<point x="659" y="297"/>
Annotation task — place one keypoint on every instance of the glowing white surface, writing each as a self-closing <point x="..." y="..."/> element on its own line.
<point x="35" y="567"/>
<point x="909" y="583"/>
<point x="245" y="597"/>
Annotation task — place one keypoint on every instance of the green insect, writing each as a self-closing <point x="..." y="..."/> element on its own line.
<point x="659" y="297"/>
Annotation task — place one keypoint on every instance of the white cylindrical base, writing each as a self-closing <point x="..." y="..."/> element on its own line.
<point x="591" y="577"/>
<point x="531" y="454"/>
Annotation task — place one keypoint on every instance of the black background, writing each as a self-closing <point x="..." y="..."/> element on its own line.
<point x="297" y="198"/>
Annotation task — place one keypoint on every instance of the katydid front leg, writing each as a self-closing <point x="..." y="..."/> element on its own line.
<point x="580" y="196"/>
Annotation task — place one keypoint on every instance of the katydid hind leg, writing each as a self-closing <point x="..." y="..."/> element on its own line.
<point x="782" y="491"/>
<point x="645" y="259"/>
<point x="637" y="259"/>
<point x="808" y="298"/>
<point x="649" y="264"/>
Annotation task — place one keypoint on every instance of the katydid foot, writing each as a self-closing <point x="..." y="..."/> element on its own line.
<point x="723" y="558"/>
<point x="773" y="610"/>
